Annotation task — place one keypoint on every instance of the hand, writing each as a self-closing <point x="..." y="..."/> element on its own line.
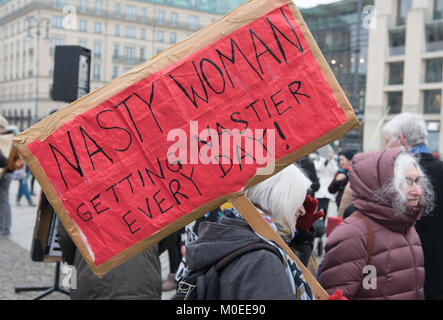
<point x="305" y="222"/>
<point x="340" y="177"/>
<point x="19" y="163"/>
<point x="337" y="295"/>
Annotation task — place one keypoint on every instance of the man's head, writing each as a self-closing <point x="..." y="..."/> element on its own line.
<point x="3" y="124"/>
<point x="407" y="130"/>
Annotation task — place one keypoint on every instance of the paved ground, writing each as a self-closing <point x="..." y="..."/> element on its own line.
<point x="16" y="267"/>
<point x="18" y="270"/>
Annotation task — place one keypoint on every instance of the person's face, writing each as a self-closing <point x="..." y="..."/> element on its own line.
<point x="343" y="162"/>
<point x="412" y="188"/>
<point x="300" y="212"/>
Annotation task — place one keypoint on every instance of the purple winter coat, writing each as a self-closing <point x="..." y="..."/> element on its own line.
<point x="397" y="253"/>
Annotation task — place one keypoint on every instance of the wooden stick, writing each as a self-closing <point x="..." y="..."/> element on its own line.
<point x="262" y="227"/>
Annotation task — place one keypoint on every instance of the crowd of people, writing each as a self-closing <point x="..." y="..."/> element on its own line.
<point x="386" y="247"/>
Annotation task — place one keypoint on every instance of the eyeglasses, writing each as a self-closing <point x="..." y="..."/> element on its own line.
<point x="410" y="182"/>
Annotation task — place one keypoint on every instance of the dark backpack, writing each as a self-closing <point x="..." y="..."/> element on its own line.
<point x="203" y="284"/>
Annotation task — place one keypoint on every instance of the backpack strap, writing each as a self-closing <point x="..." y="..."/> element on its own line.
<point x="370" y="233"/>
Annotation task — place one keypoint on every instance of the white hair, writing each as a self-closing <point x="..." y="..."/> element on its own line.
<point x="411" y="126"/>
<point x="281" y="194"/>
<point x="394" y="190"/>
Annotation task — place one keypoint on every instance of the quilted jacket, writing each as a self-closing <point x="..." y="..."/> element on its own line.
<point x="397" y="253"/>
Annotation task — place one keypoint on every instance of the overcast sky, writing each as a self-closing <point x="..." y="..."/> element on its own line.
<point x="311" y="3"/>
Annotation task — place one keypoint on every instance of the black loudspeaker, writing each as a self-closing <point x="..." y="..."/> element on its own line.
<point x="72" y="65"/>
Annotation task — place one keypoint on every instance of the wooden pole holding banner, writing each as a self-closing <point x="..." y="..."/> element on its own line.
<point x="259" y="225"/>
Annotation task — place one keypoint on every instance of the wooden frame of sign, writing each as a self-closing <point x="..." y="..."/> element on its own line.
<point x="242" y="16"/>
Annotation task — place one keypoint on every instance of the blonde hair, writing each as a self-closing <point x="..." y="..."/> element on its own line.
<point x="281" y="194"/>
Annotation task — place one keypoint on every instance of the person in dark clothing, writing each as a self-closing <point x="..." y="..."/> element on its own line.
<point x="258" y="274"/>
<point x="303" y="242"/>
<point x="136" y="279"/>
<point x="409" y="130"/>
<point x="175" y="257"/>
<point x="309" y="168"/>
<point x="3" y="160"/>
<point x="9" y="163"/>
<point x="341" y="178"/>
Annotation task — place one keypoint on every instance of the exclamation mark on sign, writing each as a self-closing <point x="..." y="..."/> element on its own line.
<point x="280" y="133"/>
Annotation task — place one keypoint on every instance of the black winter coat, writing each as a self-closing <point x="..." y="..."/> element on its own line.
<point x="430" y="229"/>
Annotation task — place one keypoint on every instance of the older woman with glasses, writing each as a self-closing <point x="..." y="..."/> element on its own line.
<point x="376" y="252"/>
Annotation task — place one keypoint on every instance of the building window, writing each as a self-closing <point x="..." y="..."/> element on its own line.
<point x="130" y="13"/>
<point x="58" y="4"/>
<point x="160" y="36"/>
<point x="129" y="54"/>
<point x="116" y="52"/>
<point x="433" y="135"/>
<point x="98" y="27"/>
<point x="115" y="72"/>
<point x="98" y="7"/>
<point x="56" y="42"/>
<point x="397" y="40"/>
<point x="117" y="10"/>
<point x="143" y="33"/>
<point x="142" y="55"/>
<point x="161" y="17"/>
<point x="130" y="32"/>
<point x="97" y="50"/>
<point x="434" y="70"/>
<point x="117" y="30"/>
<point x="396" y="70"/>
<point x="438" y="9"/>
<point x="432" y="101"/>
<point x="403" y="6"/>
<point x="434" y="37"/>
<point x="395" y="101"/>
<point x="83" y="25"/>
<point x="83" y="5"/>
<point x="193" y="22"/>
<point x="144" y="15"/>
<point x="96" y="72"/>
<point x="173" y="37"/>
<point x="57" y="22"/>
<point x="174" y="19"/>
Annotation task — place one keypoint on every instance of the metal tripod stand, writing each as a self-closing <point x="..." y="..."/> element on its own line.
<point x="47" y="290"/>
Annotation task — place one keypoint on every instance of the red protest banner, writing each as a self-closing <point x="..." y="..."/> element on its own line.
<point x="124" y="170"/>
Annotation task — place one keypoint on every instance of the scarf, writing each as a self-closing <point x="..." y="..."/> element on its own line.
<point x="421" y="148"/>
<point x="300" y="288"/>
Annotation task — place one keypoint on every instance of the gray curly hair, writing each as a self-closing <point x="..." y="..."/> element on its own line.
<point x="411" y="126"/>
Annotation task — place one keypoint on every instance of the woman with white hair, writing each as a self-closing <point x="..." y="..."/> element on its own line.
<point x="258" y="274"/>
<point x="376" y="253"/>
